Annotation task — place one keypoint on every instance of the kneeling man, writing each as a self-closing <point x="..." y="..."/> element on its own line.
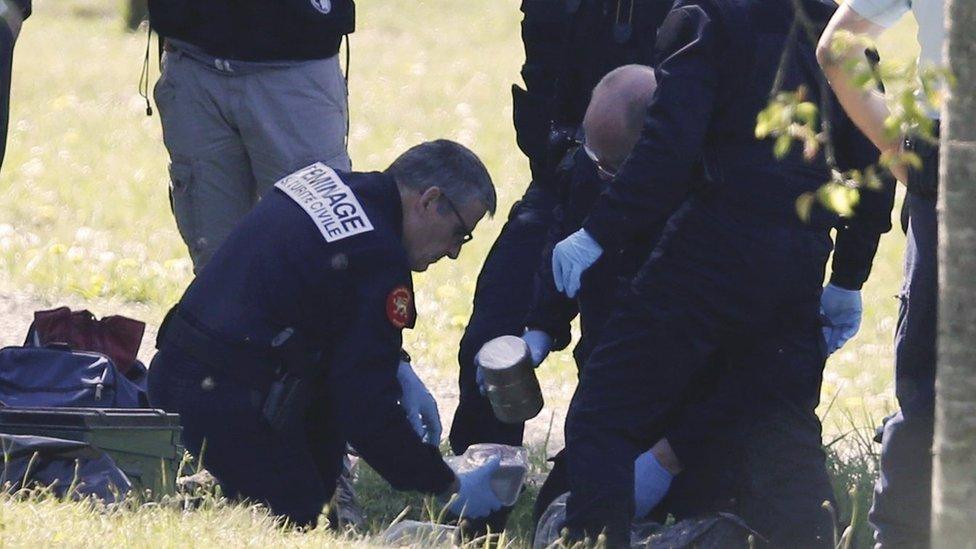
<point x="286" y="346"/>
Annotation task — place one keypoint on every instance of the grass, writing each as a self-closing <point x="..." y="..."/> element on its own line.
<point x="84" y="212"/>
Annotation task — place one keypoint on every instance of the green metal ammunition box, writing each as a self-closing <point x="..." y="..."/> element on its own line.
<point x="144" y="443"/>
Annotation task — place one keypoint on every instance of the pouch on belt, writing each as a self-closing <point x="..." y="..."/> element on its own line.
<point x="281" y="370"/>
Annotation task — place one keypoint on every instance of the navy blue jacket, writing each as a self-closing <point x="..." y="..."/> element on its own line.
<point x="349" y="297"/>
<point x="600" y="36"/>
<point x="569" y="46"/>
<point x="257" y="30"/>
<point x="552" y="311"/>
<point x="715" y="66"/>
<point x="857" y="242"/>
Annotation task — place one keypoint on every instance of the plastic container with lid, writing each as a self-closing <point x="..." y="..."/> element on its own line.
<point x="513" y="465"/>
<point x="419" y="534"/>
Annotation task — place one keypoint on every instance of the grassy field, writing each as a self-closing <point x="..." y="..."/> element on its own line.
<point x="84" y="212"/>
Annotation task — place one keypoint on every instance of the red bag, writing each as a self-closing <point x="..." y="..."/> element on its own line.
<point x="116" y="337"/>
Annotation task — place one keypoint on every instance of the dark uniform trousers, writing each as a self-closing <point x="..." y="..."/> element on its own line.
<point x="768" y="466"/>
<point x="502" y="299"/>
<point x="293" y="471"/>
<point x="903" y="494"/>
<point x="763" y="459"/>
<point x="750" y="442"/>
<point x="10" y="24"/>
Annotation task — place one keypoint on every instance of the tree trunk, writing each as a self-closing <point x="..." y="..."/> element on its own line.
<point x="954" y="473"/>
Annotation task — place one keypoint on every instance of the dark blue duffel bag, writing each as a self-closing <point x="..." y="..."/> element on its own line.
<point x="56" y="376"/>
<point x="67" y="467"/>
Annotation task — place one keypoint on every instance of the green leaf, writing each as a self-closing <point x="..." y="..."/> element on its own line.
<point x="871" y="179"/>
<point x="807" y="112"/>
<point x="838" y="198"/>
<point x="804" y="203"/>
<point x="910" y="158"/>
<point x="782" y="146"/>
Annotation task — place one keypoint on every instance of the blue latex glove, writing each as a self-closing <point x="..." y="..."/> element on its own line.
<point x="419" y="405"/>
<point x="539" y="344"/>
<point x="843" y="310"/>
<point x="651" y="483"/>
<point x="475" y="498"/>
<point x="575" y="254"/>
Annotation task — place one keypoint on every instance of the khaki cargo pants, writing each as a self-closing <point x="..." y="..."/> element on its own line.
<point x="232" y="129"/>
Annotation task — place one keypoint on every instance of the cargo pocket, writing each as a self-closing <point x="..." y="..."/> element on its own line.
<point x="324" y="77"/>
<point x="181" y="201"/>
<point x="164" y="91"/>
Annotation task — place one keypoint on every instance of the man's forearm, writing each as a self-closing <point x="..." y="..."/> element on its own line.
<point x="865" y="107"/>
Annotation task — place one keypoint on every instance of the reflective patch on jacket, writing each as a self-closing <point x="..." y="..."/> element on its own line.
<point x="327" y="200"/>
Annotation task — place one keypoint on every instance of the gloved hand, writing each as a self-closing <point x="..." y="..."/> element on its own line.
<point x="575" y="254"/>
<point x="539" y="344"/>
<point x="843" y="310"/>
<point x="419" y="405"/>
<point x="475" y="498"/>
<point x="651" y="483"/>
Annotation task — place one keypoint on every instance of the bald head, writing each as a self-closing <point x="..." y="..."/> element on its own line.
<point x="615" y="115"/>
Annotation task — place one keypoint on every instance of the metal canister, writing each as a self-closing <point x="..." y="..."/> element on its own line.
<point x="509" y="375"/>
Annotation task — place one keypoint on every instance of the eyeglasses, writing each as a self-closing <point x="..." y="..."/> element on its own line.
<point x="466" y="235"/>
<point x="602" y="169"/>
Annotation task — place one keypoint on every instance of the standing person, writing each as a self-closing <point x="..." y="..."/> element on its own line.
<point x="12" y="16"/>
<point x="250" y="91"/>
<point x="734" y="257"/>
<point x="747" y="439"/>
<point x="286" y="346"/>
<point x="569" y="47"/>
<point x="903" y="495"/>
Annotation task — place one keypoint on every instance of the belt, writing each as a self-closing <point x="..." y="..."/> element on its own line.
<point x="230" y="66"/>
<point x="251" y="365"/>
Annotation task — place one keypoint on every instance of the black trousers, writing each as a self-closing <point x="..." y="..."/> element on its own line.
<point x="764" y="460"/>
<point x="502" y="299"/>
<point x="903" y="494"/>
<point x="718" y="279"/>
<point x="7" y="41"/>
<point x="293" y="471"/>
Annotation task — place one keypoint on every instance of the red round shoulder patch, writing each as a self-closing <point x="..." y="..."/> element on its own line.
<point x="399" y="307"/>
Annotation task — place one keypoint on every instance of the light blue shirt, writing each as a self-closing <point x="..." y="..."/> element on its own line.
<point x="930" y="15"/>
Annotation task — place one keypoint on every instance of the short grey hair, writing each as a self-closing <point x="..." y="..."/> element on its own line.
<point x="448" y="165"/>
